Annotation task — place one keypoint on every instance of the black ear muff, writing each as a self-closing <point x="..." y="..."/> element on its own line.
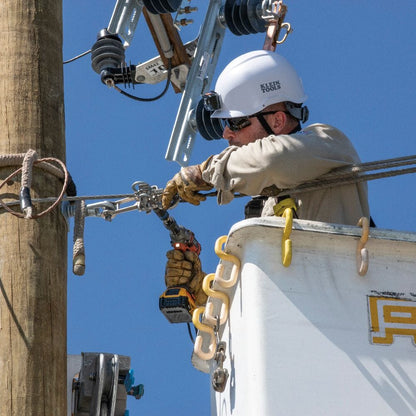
<point x="209" y="128"/>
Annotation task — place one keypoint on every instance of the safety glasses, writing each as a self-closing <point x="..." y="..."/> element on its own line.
<point x="239" y="123"/>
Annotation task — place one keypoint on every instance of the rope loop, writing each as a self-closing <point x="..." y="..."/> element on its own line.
<point x="29" y="159"/>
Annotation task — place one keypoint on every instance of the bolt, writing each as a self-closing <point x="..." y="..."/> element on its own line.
<point x="187" y="10"/>
<point x="184" y="22"/>
<point x="109" y="82"/>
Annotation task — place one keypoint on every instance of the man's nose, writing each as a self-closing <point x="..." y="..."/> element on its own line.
<point x="228" y="134"/>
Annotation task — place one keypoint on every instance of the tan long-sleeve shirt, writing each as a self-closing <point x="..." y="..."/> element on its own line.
<point x="287" y="161"/>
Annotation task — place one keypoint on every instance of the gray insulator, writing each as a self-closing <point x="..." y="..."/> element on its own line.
<point x="107" y="52"/>
<point x="162" y="6"/>
<point x="242" y="17"/>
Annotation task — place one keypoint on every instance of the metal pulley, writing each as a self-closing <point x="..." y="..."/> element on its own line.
<point x="162" y="6"/>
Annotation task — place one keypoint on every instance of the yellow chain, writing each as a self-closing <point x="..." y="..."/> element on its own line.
<point x="199" y="340"/>
<point x="212" y="321"/>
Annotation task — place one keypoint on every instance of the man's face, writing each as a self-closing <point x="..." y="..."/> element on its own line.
<point x="246" y="135"/>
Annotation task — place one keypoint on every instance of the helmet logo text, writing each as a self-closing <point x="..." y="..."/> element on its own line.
<point x="270" y="86"/>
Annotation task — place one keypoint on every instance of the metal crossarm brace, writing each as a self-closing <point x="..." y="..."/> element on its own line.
<point x="124" y="19"/>
<point x="198" y="82"/>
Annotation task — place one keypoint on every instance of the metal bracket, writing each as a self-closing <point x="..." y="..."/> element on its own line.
<point x="124" y="19"/>
<point x="220" y="375"/>
<point x="202" y="70"/>
<point x="154" y="71"/>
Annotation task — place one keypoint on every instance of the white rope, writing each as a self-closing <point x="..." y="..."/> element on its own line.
<point x="29" y="159"/>
<point x="78" y="252"/>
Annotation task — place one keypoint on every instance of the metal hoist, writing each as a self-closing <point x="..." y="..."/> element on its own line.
<point x="188" y="67"/>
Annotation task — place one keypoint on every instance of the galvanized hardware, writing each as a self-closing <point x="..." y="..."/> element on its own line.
<point x="154" y="71"/>
<point x="201" y="73"/>
<point x="272" y="9"/>
<point x="180" y="21"/>
<point x="124" y="19"/>
<point x="146" y="198"/>
<point x="220" y="374"/>
<point x="191" y="76"/>
<point x="274" y="13"/>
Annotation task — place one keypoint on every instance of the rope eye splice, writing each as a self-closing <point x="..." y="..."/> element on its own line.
<point x="28" y="161"/>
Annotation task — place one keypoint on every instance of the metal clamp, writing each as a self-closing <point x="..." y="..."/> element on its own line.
<point x="146" y="198"/>
<point x="220" y="374"/>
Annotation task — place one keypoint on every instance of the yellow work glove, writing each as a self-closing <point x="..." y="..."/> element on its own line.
<point x="184" y="269"/>
<point x="186" y="184"/>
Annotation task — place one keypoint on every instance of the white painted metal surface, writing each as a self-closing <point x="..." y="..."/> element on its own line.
<point x="316" y="338"/>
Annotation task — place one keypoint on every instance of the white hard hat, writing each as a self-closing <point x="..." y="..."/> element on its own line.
<point x="254" y="81"/>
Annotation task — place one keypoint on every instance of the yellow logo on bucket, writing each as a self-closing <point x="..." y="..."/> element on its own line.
<point x="390" y="316"/>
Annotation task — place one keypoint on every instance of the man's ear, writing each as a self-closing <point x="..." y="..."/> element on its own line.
<point x="279" y="120"/>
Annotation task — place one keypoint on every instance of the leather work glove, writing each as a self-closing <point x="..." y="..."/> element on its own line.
<point x="184" y="269"/>
<point x="186" y="183"/>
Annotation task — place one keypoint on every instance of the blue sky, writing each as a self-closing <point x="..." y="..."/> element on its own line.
<point x="357" y="62"/>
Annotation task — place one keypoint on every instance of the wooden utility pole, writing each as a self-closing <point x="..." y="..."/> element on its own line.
<point x="32" y="252"/>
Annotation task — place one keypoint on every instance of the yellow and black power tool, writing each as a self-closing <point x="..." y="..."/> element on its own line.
<point x="176" y="303"/>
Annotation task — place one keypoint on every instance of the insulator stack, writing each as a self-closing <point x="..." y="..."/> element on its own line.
<point x="162" y="6"/>
<point x="243" y="17"/>
<point x="107" y="52"/>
